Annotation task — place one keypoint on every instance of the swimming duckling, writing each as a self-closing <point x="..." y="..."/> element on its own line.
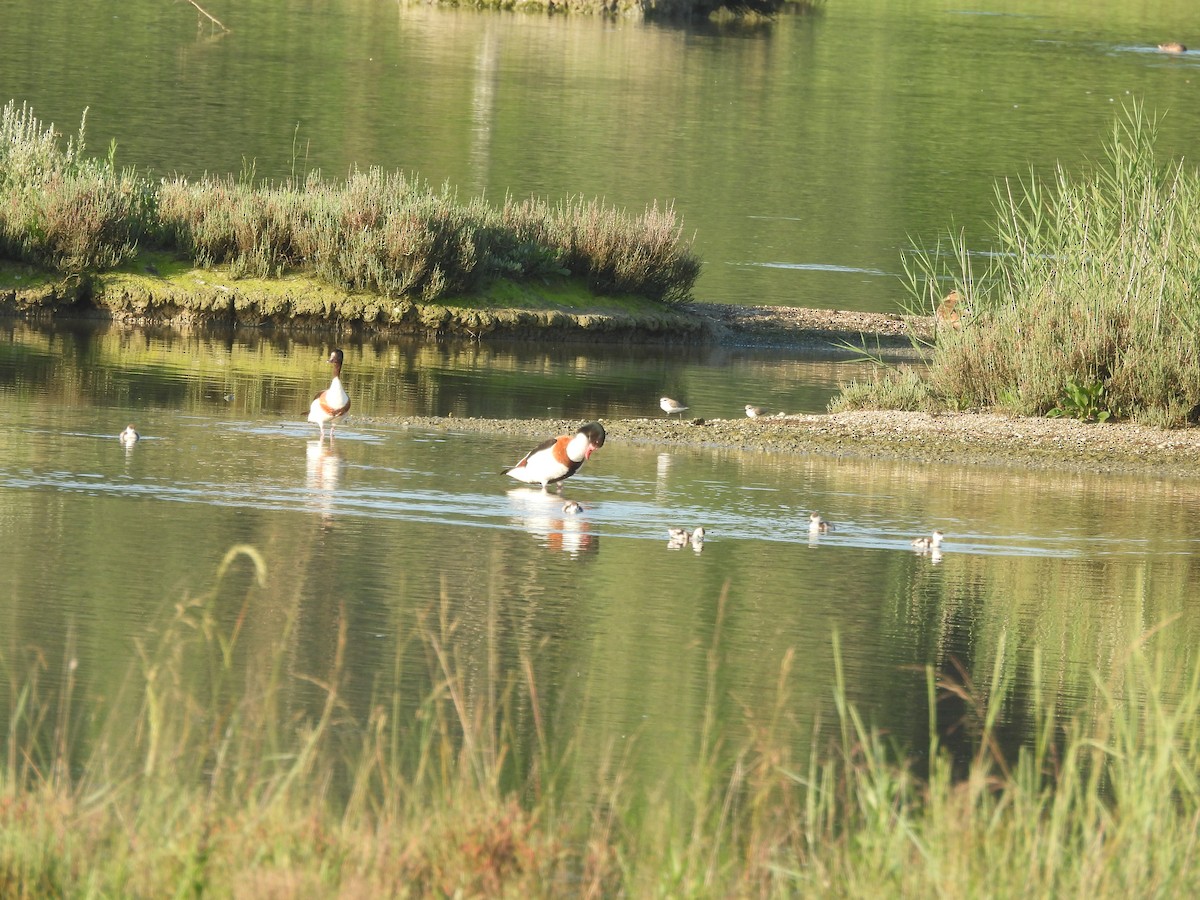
<point x="698" y="538"/>
<point x="129" y="437"/>
<point x="817" y="525"/>
<point x="677" y="538"/>
<point x="572" y="507"/>
<point x="925" y="544"/>
<point x="1172" y="47"/>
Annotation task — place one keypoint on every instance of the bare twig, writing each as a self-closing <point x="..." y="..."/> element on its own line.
<point x="204" y="12"/>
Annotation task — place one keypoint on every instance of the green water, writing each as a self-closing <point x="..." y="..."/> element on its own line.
<point x="803" y="156"/>
<point x="391" y="524"/>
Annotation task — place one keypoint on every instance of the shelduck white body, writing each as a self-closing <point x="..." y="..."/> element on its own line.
<point x="558" y="458"/>
<point x="333" y="402"/>
<point x="129" y="437"/>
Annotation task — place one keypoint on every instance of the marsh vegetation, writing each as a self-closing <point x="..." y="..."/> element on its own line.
<point x="1087" y="307"/>
<point x="378" y="233"/>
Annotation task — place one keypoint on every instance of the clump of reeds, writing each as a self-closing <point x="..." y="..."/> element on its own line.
<point x="1091" y="293"/>
<point x="388" y="234"/>
<point x="58" y="207"/>
<point x="230" y="771"/>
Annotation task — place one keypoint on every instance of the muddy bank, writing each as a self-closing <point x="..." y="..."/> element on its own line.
<point x="165" y="294"/>
<point x="960" y="439"/>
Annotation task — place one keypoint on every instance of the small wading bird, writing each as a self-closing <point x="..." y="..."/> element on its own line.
<point x="330" y="404"/>
<point x="933" y="542"/>
<point x="755" y="411"/>
<point x="558" y="458"/>
<point x="817" y="525"/>
<point x="670" y="406"/>
<point x="128" y="437"/>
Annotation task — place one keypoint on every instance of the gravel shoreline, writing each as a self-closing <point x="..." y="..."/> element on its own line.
<point x="984" y="439"/>
<point x="801" y="328"/>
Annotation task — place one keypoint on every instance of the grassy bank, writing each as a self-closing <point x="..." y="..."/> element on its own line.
<point x="385" y="237"/>
<point x="1088" y="307"/>
<point x="212" y="772"/>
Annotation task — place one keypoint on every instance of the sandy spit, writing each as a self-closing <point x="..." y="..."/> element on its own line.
<point x="958" y="438"/>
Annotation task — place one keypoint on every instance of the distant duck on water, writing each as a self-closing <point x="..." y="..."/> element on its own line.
<point x="333" y="402"/>
<point x="129" y="437"/>
<point x="1172" y="47"/>
<point x="817" y="525"/>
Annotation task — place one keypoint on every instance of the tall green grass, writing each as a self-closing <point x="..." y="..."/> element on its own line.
<point x="213" y="773"/>
<point x="1091" y="292"/>
<point x="383" y="233"/>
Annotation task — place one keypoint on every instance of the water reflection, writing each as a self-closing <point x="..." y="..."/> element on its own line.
<point x="250" y="373"/>
<point x="323" y="471"/>
<point x="543" y="515"/>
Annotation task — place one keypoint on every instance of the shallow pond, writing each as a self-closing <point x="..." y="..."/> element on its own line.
<point x="101" y="541"/>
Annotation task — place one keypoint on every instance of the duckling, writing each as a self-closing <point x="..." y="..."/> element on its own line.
<point x="698" y="538"/>
<point x="129" y="437"/>
<point x="817" y="525"/>
<point x="1172" y="47"/>
<point x="572" y="507"/>
<point x="925" y="544"/>
<point x="678" y="538"/>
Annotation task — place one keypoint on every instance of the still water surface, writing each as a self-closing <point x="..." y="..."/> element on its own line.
<point x="102" y="540"/>
<point x="803" y="155"/>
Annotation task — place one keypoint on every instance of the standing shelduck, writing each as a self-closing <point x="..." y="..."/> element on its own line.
<point x="558" y="458"/>
<point x="333" y="402"/>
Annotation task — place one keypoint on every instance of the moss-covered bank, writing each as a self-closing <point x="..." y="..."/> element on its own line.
<point x="157" y="289"/>
<point x="161" y="292"/>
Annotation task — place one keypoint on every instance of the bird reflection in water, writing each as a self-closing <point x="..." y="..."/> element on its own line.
<point x="322" y="474"/>
<point x="556" y="525"/>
